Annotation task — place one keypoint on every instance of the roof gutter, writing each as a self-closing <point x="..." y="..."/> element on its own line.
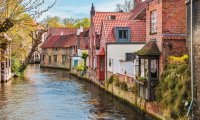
<point x="191" y="60"/>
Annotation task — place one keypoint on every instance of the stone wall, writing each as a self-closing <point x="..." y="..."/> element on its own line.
<point x="196" y="55"/>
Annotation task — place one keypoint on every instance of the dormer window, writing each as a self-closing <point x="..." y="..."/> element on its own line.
<point x="112" y="17"/>
<point x="123" y="34"/>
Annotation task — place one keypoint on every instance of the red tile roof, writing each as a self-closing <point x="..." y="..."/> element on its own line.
<point x="101" y="16"/>
<point x="60" y="41"/>
<point x="101" y="52"/>
<point x="151" y="48"/>
<point x="61" y="31"/>
<point x="138" y="10"/>
<point x="138" y="29"/>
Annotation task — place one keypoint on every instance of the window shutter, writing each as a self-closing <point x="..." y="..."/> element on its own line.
<point x="129" y="34"/>
<point x="117" y="34"/>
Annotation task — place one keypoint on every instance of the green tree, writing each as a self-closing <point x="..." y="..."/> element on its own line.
<point x="84" y="57"/>
<point x="85" y="23"/>
<point x="53" y="21"/>
<point x="14" y="11"/>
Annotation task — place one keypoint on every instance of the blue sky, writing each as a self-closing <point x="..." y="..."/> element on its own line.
<point x="79" y="8"/>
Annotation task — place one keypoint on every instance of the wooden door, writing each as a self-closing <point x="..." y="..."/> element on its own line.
<point x="101" y="68"/>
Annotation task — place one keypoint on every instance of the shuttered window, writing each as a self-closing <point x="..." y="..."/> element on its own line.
<point x="123" y="35"/>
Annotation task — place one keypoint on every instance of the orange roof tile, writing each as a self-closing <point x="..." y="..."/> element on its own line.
<point x="101" y="16"/>
<point x="138" y="29"/>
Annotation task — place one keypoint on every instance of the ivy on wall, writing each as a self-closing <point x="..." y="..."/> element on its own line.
<point x="173" y="91"/>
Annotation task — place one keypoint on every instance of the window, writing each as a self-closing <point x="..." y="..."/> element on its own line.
<point x="144" y="68"/>
<point x="63" y="59"/>
<point x="130" y="56"/>
<point x="55" y="49"/>
<point x="49" y="59"/>
<point x="154" y="69"/>
<point x="153" y="22"/>
<point x="123" y="34"/>
<point x="75" y="63"/>
<point x="55" y="58"/>
<point x="43" y="58"/>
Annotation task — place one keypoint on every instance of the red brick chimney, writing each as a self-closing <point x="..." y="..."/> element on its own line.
<point x="137" y="2"/>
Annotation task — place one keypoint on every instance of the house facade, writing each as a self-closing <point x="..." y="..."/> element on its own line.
<point x="57" y="51"/>
<point x="165" y="36"/>
<point x="113" y="37"/>
<point x="5" y="58"/>
<point x="82" y="46"/>
<point x="194" y="31"/>
<point x="62" y="47"/>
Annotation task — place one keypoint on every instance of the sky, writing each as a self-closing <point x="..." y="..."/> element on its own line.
<point x="78" y="8"/>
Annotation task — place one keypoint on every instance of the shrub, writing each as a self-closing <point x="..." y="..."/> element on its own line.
<point x="174" y="88"/>
<point x="124" y="86"/>
<point x="178" y="60"/>
<point x="80" y="67"/>
<point x="111" y="80"/>
<point x="15" y="67"/>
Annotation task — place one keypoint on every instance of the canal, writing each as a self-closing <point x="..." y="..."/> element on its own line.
<point x="49" y="94"/>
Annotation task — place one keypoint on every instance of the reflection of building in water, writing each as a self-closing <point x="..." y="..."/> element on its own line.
<point x="5" y="58"/>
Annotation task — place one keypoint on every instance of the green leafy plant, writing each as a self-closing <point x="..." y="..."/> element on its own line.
<point x="141" y="78"/>
<point x="173" y="89"/>
<point x="80" y="67"/>
<point x="15" y="67"/>
<point x="124" y="86"/>
<point x="84" y="57"/>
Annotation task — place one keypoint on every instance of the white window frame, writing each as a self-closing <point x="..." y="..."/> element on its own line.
<point x="154" y="21"/>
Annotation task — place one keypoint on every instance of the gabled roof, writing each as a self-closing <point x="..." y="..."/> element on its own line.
<point x="61" y="31"/>
<point x="139" y="11"/>
<point x="101" y="16"/>
<point x="138" y="29"/>
<point x="84" y="33"/>
<point x="101" y="52"/>
<point x="60" y="41"/>
<point x="150" y="49"/>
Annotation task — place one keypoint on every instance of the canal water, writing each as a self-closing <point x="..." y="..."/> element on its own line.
<point x="49" y="94"/>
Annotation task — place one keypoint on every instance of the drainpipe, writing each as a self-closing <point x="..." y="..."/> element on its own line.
<point x="191" y="60"/>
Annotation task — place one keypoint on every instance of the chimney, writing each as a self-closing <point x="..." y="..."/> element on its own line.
<point x="136" y="2"/>
<point x="79" y="31"/>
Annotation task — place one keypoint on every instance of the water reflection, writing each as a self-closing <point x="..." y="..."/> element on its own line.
<point x="49" y="94"/>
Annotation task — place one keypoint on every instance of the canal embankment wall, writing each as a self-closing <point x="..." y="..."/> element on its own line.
<point x="126" y="94"/>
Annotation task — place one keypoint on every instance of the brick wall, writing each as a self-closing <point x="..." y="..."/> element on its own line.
<point x="174" y="17"/>
<point x="171" y="27"/>
<point x="196" y="38"/>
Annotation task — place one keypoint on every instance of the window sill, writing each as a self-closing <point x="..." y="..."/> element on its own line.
<point x="153" y="33"/>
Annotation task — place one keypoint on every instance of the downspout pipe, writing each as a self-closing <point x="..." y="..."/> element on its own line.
<point x="191" y="60"/>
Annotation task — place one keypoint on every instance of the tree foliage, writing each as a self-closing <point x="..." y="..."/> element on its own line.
<point x="15" y="11"/>
<point x="17" y="20"/>
<point x="66" y="22"/>
<point x="126" y="6"/>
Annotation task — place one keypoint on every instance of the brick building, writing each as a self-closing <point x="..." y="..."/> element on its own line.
<point x="196" y="51"/>
<point x="59" y="49"/>
<point x="111" y="32"/>
<point x="165" y="36"/>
